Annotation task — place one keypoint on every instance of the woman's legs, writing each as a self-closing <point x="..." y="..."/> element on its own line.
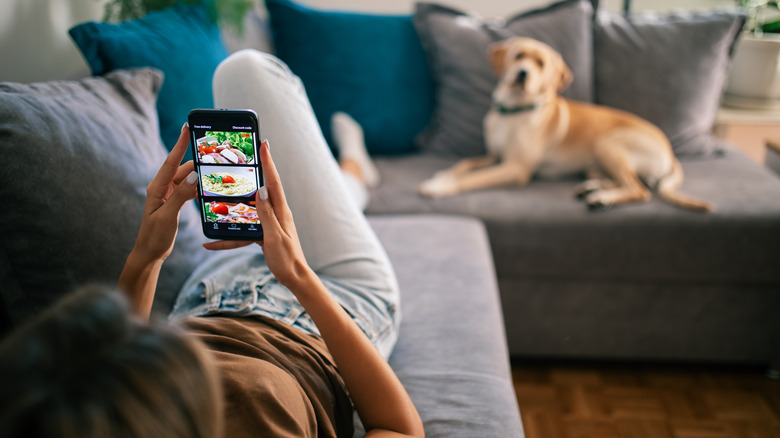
<point x="335" y="236"/>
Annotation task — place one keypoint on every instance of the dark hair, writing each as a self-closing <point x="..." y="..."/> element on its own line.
<point x="87" y="368"/>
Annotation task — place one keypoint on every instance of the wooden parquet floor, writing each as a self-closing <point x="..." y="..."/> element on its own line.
<point x="594" y="400"/>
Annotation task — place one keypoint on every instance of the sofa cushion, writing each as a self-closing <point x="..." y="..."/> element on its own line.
<point x="542" y="231"/>
<point x="670" y="69"/>
<point x="370" y="66"/>
<point x="452" y="332"/>
<point x="457" y="48"/>
<point x="183" y="42"/>
<point x="79" y="155"/>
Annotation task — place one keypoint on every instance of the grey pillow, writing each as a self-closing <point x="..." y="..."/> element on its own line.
<point x="77" y="158"/>
<point x="669" y="69"/>
<point x="456" y="45"/>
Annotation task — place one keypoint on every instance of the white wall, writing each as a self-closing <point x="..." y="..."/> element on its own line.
<point x="34" y="41"/>
<point x="35" y="46"/>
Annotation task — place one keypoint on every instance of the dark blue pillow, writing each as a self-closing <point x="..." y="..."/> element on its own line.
<point x="182" y="41"/>
<point x="372" y="67"/>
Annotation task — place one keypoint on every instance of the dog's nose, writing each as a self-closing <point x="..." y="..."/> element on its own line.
<point x="522" y="75"/>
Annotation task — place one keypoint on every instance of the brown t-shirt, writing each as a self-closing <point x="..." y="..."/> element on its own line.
<point x="278" y="381"/>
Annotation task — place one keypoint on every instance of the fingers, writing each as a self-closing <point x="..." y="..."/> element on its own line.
<point x="183" y="171"/>
<point x="180" y="148"/>
<point x="226" y="244"/>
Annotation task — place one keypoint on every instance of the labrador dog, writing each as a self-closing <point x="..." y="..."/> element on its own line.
<point x="531" y="130"/>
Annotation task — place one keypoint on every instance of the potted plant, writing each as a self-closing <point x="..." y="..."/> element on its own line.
<point x="229" y="13"/>
<point x="754" y="79"/>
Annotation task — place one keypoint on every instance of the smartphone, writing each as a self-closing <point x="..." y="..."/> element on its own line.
<point x="225" y="152"/>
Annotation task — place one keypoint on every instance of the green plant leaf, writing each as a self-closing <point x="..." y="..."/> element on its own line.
<point x="228" y="13"/>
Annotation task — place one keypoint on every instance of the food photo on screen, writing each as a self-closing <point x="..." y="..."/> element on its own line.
<point x="222" y="147"/>
<point x="231" y="213"/>
<point x="228" y="181"/>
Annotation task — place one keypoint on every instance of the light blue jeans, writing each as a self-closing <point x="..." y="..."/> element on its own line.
<point x="337" y="241"/>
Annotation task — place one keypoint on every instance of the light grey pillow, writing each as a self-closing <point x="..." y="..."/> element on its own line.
<point x="457" y="44"/>
<point x="77" y="157"/>
<point x="669" y="69"/>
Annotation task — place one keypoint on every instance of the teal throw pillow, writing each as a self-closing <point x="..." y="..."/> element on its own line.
<point x="371" y="66"/>
<point x="182" y="41"/>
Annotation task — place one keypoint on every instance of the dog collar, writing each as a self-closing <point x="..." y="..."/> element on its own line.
<point x="514" y="109"/>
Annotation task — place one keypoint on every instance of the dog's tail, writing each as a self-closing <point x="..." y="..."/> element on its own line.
<point x="667" y="190"/>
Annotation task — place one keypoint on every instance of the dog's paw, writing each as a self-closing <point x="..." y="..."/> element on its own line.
<point x="442" y="184"/>
<point x="585" y="188"/>
<point x="596" y="202"/>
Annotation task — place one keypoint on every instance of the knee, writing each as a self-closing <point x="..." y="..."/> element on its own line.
<point x="251" y="65"/>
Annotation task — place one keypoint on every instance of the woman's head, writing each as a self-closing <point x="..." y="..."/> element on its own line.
<point x="87" y="368"/>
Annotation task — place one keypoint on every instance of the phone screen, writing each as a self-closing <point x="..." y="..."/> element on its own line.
<point x="225" y="150"/>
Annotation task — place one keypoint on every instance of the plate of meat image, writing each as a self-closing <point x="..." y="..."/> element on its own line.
<point x="231" y="213"/>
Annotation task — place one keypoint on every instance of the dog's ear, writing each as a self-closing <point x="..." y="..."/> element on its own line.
<point x="566" y="76"/>
<point x="497" y="53"/>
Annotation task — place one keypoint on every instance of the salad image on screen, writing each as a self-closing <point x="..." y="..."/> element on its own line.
<point x="231" y="213"/>
<point x="226" y="148"/>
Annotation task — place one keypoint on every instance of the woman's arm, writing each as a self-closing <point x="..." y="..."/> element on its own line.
<point x="165" y="195"/>
<point x="381" y="401"/>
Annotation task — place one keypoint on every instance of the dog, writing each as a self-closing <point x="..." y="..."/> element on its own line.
<point x="531" y="130"/>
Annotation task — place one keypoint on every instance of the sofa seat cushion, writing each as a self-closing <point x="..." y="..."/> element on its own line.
<point x="452" y="332"/>
<point x="542" y="232"/>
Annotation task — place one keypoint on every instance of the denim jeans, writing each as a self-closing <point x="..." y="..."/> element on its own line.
<point x="336" y="239"/>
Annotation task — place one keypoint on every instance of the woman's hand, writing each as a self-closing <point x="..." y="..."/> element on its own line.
<point x="281" y="247"/>
<point x="165" y="195"/>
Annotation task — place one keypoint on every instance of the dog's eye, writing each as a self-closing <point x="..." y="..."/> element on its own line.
<point x="540" y="63"/>
<point x="520" y="55"/>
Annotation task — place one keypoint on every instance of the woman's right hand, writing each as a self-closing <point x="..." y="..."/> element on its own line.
<point x="281" y="246"/>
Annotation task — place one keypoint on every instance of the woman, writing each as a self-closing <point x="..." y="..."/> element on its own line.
<point x="297" y="333"/>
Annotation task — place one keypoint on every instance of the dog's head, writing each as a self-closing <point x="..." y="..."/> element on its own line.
<point x="527" y="70"/>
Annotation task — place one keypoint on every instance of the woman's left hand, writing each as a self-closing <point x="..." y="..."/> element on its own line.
<point x="281" y="246"/>
<point x="173" y="186"/>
